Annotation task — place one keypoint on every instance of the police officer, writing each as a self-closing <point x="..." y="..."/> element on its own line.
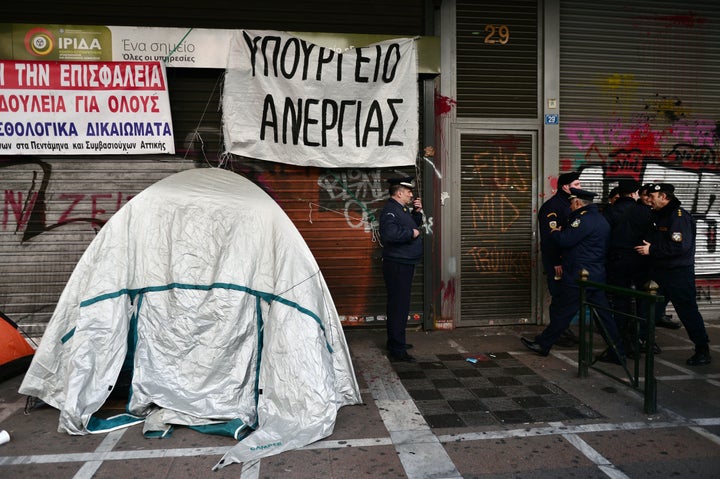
<point x="671" y="248"/>
<point x="662" y="320"/>
<point x="583" y="245"/>
<point x="552" y="217"/>
<point x="629" y="223"/>
<point x="402" y="244"/>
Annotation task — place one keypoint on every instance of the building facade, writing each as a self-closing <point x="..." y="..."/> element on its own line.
<point x="526" y="89"/>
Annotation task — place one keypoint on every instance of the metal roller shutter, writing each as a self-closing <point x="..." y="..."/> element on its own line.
<point x="334" y="210"/>
<point x="496" y="221"/>
<point x="52" y="209"/>
<point x="639" y="96"/>
<point x="497" y="59"/>
<point x="497" y="78"/>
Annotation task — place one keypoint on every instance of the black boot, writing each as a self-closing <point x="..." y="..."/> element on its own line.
<point x="701" y="356"/>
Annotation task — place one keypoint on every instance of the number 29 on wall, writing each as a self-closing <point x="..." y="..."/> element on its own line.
<point x="497" y="34"/>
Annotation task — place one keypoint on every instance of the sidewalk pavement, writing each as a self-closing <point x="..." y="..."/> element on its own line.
<point x="511" y="414"/>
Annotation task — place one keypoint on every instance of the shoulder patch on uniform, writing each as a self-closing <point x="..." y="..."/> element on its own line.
<point x="679" y="212"/>
<point x="551" y="214"/>
<point x="676" y="236"/>
<point x="575" y="223"/>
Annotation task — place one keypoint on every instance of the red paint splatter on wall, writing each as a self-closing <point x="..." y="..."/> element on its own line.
<point x="669" y="21"/>
<point x="444" y="104"/>
<point x="553" y="182"/>
<point x="566" y="165"/>
<point x="646" y="141"/>
<point x="687" y="21"/>
<point x="448" y="298"/>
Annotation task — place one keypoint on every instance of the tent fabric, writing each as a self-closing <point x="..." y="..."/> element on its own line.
<point x="205" y="287"/>
<point x="15" y="352"/>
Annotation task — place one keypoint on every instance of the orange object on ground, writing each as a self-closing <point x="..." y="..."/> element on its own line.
<point x="15" y="352"/>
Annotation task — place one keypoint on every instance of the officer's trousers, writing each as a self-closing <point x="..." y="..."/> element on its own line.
<point x="398" y="282"/>
<point x="626" y="270"/>
<point x="563" y="308"/>
<point x="678" y="286"/>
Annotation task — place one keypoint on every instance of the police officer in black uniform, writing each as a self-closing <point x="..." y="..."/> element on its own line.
<point x="552" y="216"/>
<point x="671" y="248"/>
<point x="662" y="320"/>
<point x="583" y="245"/>
<point x="400" y="233"/>
<point x="629" y="223"/>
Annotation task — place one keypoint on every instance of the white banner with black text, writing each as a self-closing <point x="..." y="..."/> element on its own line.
<point x="290" y="101"/>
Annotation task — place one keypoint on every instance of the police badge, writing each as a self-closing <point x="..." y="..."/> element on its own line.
<point x="575" y="223"/>
<point x="676" y="236"/>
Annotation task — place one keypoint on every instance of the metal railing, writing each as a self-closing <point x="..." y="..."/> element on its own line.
<point x="585" y="358"/>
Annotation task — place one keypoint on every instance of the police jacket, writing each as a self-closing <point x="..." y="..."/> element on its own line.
<point x="630" y="223"/>
<point x="672" y="240"/>
<point x="583" y="243"/>
<point x="397" y="223"/>
<point x="552" y="216"/>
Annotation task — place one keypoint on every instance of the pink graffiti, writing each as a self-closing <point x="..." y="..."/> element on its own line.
<point x="613" y="135"/>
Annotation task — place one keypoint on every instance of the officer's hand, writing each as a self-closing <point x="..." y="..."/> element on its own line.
<point x="643" y="249"/>
<point x="416" y="233"/>
<point x="417" y="204"/>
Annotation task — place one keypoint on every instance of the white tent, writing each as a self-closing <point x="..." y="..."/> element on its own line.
<point x="204" y="287"/>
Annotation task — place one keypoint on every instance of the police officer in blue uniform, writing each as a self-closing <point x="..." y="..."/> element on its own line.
<point x="552" y="217"/>
<point x="671" y="248"/>
<point x="402" y="249"/>
<point x="583" y="245"/>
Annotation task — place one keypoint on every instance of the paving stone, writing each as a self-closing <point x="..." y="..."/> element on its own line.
<point x="452" y="392"/>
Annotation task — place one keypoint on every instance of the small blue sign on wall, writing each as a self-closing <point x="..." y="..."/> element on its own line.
<point x="552" y="119"/>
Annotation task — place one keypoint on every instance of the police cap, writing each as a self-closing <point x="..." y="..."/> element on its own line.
<point x="644" y="188"/>
<point x="407" y="181"/>
<point x="582" y="194"/>
<point x="628" y="186"/>
<point x="567" y="178"/>
<point x="660" y="188"/>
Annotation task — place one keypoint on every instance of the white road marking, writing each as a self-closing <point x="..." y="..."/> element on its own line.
<point x="588" y="451"/>
<point x="88" y="470"/>
<point x="457" y="347"/>
<point x="706" y="434"/>
<point x="555" y="429"/>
